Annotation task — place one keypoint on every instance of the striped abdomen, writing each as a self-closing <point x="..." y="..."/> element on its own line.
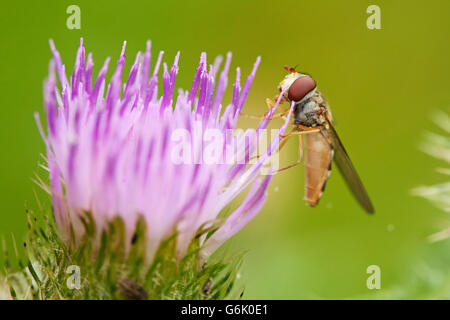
<point x="319" y="155"/>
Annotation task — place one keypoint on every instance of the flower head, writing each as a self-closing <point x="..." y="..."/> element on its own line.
<point x="438" y="146"/>
<point x="110" y="149"/>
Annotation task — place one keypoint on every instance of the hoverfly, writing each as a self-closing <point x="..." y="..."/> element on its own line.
<point x="313" y="119"/>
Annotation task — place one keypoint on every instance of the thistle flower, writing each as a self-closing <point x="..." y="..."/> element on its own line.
<point x="112" y="155"/>
<point x="438" y="146"/>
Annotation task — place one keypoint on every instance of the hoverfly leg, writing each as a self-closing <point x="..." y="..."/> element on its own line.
<point x="299" y="131"/>
<point x="300" y="153"/>
<point x="251" y="116"/>
<point x="303" y="130"/>
<point x="275" y="116"/>
<point x="270" y="105"/>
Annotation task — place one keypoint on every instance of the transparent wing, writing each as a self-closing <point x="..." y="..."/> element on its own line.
<point x="347" y="169"/>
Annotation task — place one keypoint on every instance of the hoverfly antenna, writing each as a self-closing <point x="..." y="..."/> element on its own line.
<point x="289" y="69"/>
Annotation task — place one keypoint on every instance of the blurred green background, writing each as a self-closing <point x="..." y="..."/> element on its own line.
<point x="382" y="86"/>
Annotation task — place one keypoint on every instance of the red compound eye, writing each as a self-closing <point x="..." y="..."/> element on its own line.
<point x="300" y="88"/>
